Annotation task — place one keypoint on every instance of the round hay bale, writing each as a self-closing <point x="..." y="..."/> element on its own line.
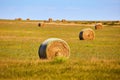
<point x="98" y="26"/>
<point x="50" y="20"/>
<point x="54" y="47"/>
<point x="40" y="24"/>
<point x="63" y="20"/>
<point x="86" y="34"/>
<point x="28" y="19"/>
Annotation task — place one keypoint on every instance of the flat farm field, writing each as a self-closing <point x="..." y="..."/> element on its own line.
<point x="97" y="59"/>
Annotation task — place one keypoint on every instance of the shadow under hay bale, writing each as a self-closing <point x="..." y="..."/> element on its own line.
<point x="98" y="26"/>
<point x="86" y="34"/>
<point x="54" y="47"/>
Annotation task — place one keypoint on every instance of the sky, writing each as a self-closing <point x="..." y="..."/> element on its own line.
<point x="60" y="9"/>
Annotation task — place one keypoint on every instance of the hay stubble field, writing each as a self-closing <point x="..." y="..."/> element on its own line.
<point x="97" y="59"/>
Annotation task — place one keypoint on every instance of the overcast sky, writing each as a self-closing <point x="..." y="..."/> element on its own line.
<point x="60" y="9"/>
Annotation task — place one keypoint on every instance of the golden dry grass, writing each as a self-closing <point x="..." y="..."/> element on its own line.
<point x="97" y="59"/>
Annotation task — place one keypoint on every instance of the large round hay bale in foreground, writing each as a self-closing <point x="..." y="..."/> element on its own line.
<point x="54" y="47"/>
<point x="86" y="34"/>
<point x="98" y="26"/>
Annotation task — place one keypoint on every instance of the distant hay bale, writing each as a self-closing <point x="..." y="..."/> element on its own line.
<point x="63" y="20"/>
<point x="28" y="19"/>
<point x="54" y="47"/>
<point x="86" y="34"/>
<point x="98" y="26"/>
<point x="41" y="24"/>
<point x="19" y="19"/>
<point x="50" y="20"/>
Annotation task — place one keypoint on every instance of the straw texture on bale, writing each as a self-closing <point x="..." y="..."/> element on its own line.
<point x="98" y="26"/>
<point x="54" y="47"/>
<point x="86" y="34"/>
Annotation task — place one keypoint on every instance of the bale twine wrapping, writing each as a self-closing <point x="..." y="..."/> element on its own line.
<point x="98" y="26"/>
<point x="54" y="47"/>
<point x="87" y="34"/>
